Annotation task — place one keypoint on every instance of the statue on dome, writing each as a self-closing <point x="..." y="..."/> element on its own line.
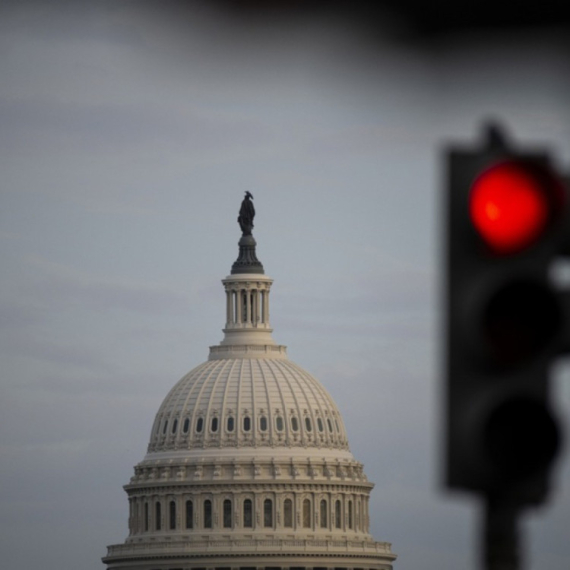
<point x="246" y="214"/>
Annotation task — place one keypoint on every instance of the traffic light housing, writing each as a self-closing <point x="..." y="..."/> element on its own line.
<point x="507" y="221"/>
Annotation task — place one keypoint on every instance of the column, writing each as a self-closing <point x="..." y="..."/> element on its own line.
<point x="248" y="306"/>
<point x="239" y="306"/>
<point x="228" y="307"/>
<point x="266" y="306"/>
<point x="255" y="303"/>
<point x="131" y="516"/>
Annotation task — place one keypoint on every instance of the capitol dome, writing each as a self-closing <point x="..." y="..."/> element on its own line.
<point x="248" y="465"/>
<point x="259" y="400"/>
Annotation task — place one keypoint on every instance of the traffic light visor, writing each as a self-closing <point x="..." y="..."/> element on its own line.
<point x="511" y="204"/>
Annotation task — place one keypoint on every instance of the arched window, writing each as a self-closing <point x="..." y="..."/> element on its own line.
<point x="186" y="425"/>
<point x="164" y="427"/>
<point x="199" y="425"/>
<point x="207" y="513"/>
<point x="329" y="423"/>
<point x="337" y="515"/>
<point x="146" y="517"/>
<point x="174" y="426"/>
<point x="294" y="424"/>
<point x="336" y="424"/>
<point x="214" y="424"/>
<point x="268" y="513"/>
<point x="308" y="424"/>
<point x="247" y="514"/>
<point x="227" y="514"/>
<point x="320" y="424"/>
<point x="172" y="515"/>
<point x="230" y="424"/>
<point x="246" y="423"/>
<point x="263" y="423"/>
<point x="279" y="423"/>
<point x="288" y="513"/>
<point x="349" y="514"/>
<point x="306" y="513"/>
<point x="324" y="521"/>
<point x="158" y="515"/>
<point x="189" y="514"/>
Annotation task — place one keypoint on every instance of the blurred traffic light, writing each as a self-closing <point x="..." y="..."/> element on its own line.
<point x="507" y="222"/>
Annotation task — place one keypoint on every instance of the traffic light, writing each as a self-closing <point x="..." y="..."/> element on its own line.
<point x="507" y="221"/>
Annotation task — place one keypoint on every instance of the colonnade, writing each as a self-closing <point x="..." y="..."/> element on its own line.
<point x="247" y="304"/>
<point x="307" y="511"/>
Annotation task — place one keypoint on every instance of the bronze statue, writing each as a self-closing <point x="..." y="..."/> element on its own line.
<point x="246" y="215"/>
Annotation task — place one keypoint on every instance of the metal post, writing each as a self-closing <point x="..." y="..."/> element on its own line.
<point x="501" y="544"/>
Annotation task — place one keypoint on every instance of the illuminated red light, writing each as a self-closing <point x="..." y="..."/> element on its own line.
<point x="509" y="207"/>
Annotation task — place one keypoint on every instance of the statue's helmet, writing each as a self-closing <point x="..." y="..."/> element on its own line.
<point x="248" y="194"/>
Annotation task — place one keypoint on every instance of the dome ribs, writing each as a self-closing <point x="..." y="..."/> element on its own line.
<point x="312" y="387"/>
<point x="225" y="409"/>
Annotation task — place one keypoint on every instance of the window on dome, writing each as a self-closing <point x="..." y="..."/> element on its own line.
<point x="324" y="521"/>
<point x="214" y="425"/>
<point x="294" y="424"/>
<point x="308" y="424"/>
<point x="207" y="513"/>
<point x="164" y="427"/>
<point x="337" y="514"/>
<point x="227" y="514"/>
<point x="320" y="424"/>
<point x="189" y="514"/>
<point x="263" y="423"/>
<point x="306" y="513"/>
<point x="349" y="514"/>
<point x="336" y="424"/>
<point x="329" y="423"/>
<point x="288" y="513"/>
<point x="246" y="423"/>
<point x="172" y="515"/>
<point x="247" y="514"/>
<point x="279" y="423"/>
<point x="146" y="517"/>
<point x="174" y="426"/>
<point x="268" y="513"/>
<point x="199" y="425"/>
<point x="186" y="425"/>
<point x="230" y="424"/>
<point x="158" y="515"/>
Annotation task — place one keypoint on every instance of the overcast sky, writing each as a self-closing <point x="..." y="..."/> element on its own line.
<point x="128" y="135"/>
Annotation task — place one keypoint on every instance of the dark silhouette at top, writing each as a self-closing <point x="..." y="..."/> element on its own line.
<point x="246" y="215"/>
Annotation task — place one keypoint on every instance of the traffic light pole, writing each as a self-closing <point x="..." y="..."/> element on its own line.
<point x="501" y="538"/>
<point x="501" y="541"/>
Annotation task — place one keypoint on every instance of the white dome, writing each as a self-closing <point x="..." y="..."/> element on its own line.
<point x="247" y="402"/>
<point x="248" y="464"/>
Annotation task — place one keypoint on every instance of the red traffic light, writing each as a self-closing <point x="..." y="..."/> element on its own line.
<point x="511" y="204"/>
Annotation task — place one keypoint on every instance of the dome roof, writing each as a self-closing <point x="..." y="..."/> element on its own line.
<point x="248" y="401"/>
